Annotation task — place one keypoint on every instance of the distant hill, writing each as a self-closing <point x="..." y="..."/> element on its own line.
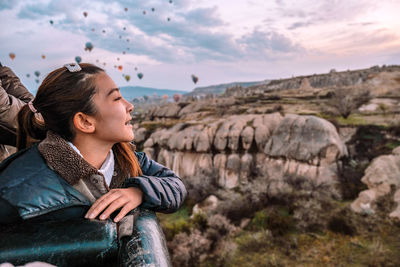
<point x="130" y="92"/>
<point x="220" y="88"/>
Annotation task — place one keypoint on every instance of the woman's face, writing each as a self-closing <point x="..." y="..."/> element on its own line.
<point x="113" y="117"/>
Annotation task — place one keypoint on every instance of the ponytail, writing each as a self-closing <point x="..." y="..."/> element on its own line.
<point x="126" y="159"/>
<point x="30" y="128"/>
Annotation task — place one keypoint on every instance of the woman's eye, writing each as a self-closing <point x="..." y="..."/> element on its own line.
<point x="118" y="98"/>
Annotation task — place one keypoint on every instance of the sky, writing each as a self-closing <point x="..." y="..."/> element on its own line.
<point x="219" y="41"/>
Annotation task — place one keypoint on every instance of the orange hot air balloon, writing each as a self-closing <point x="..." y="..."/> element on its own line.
<point x="85" y="14"/>
<point x="165" y="97"/>
<point x="44" y="56"/>
<point x="12" y="56"/>
<point x="120" y="68"/>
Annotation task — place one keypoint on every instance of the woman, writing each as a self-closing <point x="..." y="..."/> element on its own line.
<point x="81" y="157"/>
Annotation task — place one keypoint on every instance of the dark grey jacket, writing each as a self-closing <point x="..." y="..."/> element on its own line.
<point x="29" y="188"/>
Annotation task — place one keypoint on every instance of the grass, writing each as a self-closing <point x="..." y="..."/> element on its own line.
<point x="175" y="223"/>
<point x="305" y="249"/>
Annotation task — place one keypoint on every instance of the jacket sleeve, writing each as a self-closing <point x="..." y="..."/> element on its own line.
<point x="13" y="86"/>
<point x="13" y="95"/>
<point x="163" y="191"/>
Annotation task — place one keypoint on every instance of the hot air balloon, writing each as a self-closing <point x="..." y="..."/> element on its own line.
<point x="127" y="48"/>
<point x="120" y="68"/>
<point x="140" y="75"/>
<point x="153" y="9"/>
<point x="28" y="75"/>
<point x="85" y="14"/>
<point x="170" y="1"/>
<point x="78" y="59"/>
<point x="127" y="40"/>
<point x="12" y="56"/>
<point x="123" y="52"/>
<point x="144" y="12"/>
<point x="104" y="63"/>
<point x="88" y="46"/>
<point x="135" y="68"/>
<point x="165" y="97"/>
<point x="93" y="30"/>
<point x="194" y="78"/>
<point x="51" y="22"/>
<point x="127" y="77"/>
<point x="126" y="9"/>
<point x="120" y="37"/>
<point x="44" y="56"/>
<point x="118" y="58"/>
<point x="104" y="31"/>
<point x="168" y="19"/>
<point x="37" y="80"/>
<point x="124" y="28"/>
<point x="97" y="60"/>
<point x="37" y="73"/>
<point x="177" y="97"/>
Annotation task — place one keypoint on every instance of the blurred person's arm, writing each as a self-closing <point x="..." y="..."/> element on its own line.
<point x="13" y="95"/>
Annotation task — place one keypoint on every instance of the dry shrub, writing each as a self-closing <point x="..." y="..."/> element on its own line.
<point x="189" y="250"/>
<point x="201" y="185"/>
<point x="219" y="227"/>
<point x="346" y="100"/>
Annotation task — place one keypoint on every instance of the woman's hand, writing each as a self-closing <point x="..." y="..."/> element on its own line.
<point x="125" y="198"/>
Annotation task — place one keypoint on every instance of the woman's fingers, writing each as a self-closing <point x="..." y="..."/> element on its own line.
<point x="101" y="204"/>
<point x="128" y="198"/>
<point x="125" y="210"/>
<point x="116" y="204"/>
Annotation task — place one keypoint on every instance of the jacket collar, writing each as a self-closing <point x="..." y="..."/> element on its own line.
<point x="63" y="159"/>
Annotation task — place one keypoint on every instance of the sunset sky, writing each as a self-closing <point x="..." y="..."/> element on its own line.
<point x="218" y="40"/>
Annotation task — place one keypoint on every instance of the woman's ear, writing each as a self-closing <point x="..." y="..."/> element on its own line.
<point x="84" y="123"/>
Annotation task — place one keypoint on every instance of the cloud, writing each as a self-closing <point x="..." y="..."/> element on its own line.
<point x="299" y="25"/>
<point x="8" y="4"/>
<point x="270" y="45"/>
<point x="203" y="17"/>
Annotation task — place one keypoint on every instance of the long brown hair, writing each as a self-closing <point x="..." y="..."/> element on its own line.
<point x="60" y="96"/>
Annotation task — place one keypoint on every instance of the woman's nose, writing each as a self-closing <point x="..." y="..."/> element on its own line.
<point x="130" y="106"/>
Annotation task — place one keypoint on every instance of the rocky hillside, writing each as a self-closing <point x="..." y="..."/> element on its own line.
<point x="220" y="88"/>
<point x="299" y="171"/>
<point x="332" y="79"/>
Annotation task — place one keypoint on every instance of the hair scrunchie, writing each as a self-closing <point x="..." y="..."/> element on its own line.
<point x="31" y="107"/>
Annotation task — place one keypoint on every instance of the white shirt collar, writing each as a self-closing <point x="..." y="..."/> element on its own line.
<point x="107" y="168"/>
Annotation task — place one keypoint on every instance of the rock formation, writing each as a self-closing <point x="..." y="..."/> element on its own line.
<point x="382" y="174"/>
<point x="240" y="148"/>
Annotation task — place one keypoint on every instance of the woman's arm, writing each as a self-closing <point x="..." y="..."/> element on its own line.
<point x="163" y="191"/>
<point x="158" y="189"/>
